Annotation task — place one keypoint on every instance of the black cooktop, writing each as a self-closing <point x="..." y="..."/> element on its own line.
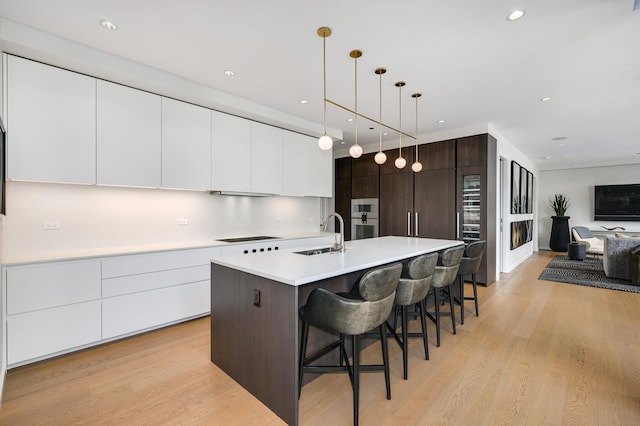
<point x="245" y="239"/>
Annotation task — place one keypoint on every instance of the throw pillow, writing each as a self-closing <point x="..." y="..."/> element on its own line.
<point x="619" y="235"/>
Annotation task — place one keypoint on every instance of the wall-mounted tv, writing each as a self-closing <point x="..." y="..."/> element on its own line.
<point x="617" y="202"/>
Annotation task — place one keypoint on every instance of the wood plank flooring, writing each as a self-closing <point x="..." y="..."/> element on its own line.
<point x="539" y="353"/>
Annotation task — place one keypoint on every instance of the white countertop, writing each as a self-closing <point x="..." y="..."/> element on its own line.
<point x="84" y="253"/>
<point x="296" y="269"/>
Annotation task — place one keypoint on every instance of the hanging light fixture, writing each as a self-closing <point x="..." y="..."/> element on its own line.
<point x="380" y="157"/>
<point x="356" y="150"/>
<point x="417" y="165"/>
<point x="325" y="142"/>
<point x="400" y="161"/>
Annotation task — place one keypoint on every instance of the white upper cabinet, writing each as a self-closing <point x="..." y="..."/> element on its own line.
<point x="186" y="145"/>
<point x="51" y="118"/>
<point x="231" y="153"/>
<point x="129" y="136"/>
<point x="319" y="170"/>
<point x="295" y="157"/>
<point x="266" y="159"/>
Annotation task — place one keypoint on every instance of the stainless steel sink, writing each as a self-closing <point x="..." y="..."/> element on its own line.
<point x="317" y="251"/>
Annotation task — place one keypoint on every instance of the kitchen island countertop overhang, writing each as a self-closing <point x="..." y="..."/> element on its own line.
<point x="289" y="267"/>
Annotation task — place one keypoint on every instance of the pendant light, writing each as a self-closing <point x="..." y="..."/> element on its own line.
<point x="356" y="150"/>
<point x="400" y="162"/>
<point x="325" y="142"/>
<point x="417" y="165"/>
<point x="380" y="157"/>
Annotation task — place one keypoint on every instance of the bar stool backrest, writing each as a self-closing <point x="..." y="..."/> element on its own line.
<point x="472" y="257"/>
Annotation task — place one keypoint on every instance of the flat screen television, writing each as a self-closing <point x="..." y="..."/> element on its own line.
<point x="617" y="202"/>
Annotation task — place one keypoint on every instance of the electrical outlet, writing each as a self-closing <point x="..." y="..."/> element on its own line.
<point x="51" y="225"/>
<point x="183" y="221"/>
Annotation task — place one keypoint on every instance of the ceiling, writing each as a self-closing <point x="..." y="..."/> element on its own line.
<point x="474" y="68"/>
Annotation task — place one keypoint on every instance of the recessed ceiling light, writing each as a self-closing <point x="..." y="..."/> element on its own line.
<point x="229" y="73"/>
<point x="546" y="98"/>
<point x="304" y="101"/>
<point x="561" y="144"/>
<point x="108" y="25"/>
<point x="515" y="15"/>
<point x="440" y="121"/>
<point x="385" y="133"/>
<point x="548" y="157"/>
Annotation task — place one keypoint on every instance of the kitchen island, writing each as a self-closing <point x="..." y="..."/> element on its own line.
<point x="254" y="309"/>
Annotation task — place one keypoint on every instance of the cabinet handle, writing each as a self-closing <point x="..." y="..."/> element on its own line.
<point x="408" y="224"/>
<point x="416" y="228"/>
<point x="457" y="225"/>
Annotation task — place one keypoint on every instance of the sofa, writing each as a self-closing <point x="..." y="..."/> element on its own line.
<point x="616" y="259"/>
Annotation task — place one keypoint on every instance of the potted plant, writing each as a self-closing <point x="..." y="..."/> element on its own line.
<point x="560" y="237"/>
<point x="559" y="203"/>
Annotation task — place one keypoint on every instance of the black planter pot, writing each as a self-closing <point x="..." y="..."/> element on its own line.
<point x="560" y="238"/>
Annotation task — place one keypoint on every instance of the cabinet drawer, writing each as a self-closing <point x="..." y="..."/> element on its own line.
<point x="45" y="332"/>
<point x="47" y="285"/>
<point x="135" y="312"/>
<point x="143" y="263"/>
<point x="154" y="280"/>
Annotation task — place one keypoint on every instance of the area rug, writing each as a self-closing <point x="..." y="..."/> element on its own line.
<point x="588" y="272"/>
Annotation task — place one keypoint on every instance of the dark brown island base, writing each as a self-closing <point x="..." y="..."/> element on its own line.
<point x="254" y="309"/>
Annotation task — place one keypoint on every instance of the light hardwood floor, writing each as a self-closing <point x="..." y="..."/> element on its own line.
<point x="539" y="353"/>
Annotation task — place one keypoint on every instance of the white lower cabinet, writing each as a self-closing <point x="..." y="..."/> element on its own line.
<point x="140" y="311"/>
<point x="51" y="307"/>
<point x="43" y="333"/>
<point x="58" y="307"/>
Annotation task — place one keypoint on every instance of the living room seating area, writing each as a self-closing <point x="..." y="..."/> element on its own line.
<point x="618" y="261"/>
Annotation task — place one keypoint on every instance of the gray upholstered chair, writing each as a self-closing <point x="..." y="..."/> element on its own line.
<point x="582" y="234"/>
<point x="443" y="278"/>
<point x="348" y="315"/>
<point x="413" y="287"/>
<point x="470" y="265"/>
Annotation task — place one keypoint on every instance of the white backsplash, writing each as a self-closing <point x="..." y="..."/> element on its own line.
<point x="95" y="217"/>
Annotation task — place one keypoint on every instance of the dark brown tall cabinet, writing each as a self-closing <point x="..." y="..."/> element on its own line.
<point x="343" y="193"/>
<point x="419" y="204"/>
<point x="453" y="197"/>
<point x="476" y="165"/>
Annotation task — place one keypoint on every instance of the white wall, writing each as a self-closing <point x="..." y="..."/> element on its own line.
<point x="577" y="184"/>
<point x="98" y="217"/>
<point x="511" y="258"/>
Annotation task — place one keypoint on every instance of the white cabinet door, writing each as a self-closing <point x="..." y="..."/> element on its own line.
<point x="134" y="312"/>
<point x="47" y="285"/>
<point x="186" y="145"/>
<point x="129" y="141"/>
<point x="266" y="159"/>
<point x="319" y="170"/>
<point x="295" y="164"/>
<point x="46" y="332"/>
<point x="231" y="153"/>
<point x="51" y="118"/>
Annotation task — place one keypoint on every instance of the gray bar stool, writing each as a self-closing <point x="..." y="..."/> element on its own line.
<point x="441" y="282"/>
<point x="413" y="287"/>
<point x="470" y="265"/>
<point x="367" y="307"/>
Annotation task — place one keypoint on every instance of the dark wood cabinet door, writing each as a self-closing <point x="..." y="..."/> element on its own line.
<point x="438" y="155"/>
<point x="364" y="166"/>
<point x="396" y="204"/>
<point x="472" y="151"/>
<point x="343" y="205"/>
<point x="435" y="203"/>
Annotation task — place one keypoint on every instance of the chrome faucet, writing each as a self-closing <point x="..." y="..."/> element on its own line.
<point x="336" y="246"/>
